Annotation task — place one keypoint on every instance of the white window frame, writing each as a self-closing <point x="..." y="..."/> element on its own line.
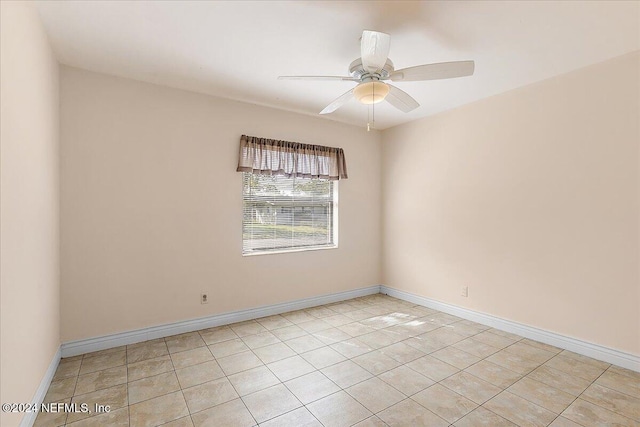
<point x="335" y="229"/>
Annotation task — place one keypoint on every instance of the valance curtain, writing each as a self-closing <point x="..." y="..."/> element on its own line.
<point x="273" y="157"/>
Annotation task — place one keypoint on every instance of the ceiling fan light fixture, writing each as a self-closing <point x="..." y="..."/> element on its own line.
<point x="371" y="92"/>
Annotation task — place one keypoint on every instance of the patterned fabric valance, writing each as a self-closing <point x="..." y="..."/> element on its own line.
<point x="272" y="157"/>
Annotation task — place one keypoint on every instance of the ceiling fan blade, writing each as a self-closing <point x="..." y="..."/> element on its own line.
<point x="338" y="102"/>
<point x="346" y="78"/>
<point x="401" y="99"/>
<point x="442" y="70"/>
<point x="374" y="50"/>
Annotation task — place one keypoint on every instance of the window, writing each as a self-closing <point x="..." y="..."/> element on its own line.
<point x="288" y="214"/>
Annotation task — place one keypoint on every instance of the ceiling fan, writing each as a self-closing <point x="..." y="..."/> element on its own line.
<point x="374" y="67"/>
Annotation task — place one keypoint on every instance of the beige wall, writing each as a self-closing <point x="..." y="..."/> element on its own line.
<point x="29" y="243"/>
<point x="151" y="207"/>
<point x="530" y="198"/>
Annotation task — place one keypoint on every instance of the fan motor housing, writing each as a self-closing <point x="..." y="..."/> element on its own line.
<point x="356" y="70"/>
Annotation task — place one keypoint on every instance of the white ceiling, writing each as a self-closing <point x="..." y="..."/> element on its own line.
<point x="237" y="49"/>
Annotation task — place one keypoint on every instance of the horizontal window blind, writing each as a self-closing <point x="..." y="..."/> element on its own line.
<point x="281" y="213"/>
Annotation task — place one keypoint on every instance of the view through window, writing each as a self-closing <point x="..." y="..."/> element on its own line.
<point x="283" y="214"/>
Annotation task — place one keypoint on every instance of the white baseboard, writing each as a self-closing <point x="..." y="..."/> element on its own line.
<point x="30" y="417"/>
<point x="595" y="351"/>
<point x="74" y="348"/>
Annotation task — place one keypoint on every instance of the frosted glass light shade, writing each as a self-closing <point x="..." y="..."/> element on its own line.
<point x="371" y="92"/>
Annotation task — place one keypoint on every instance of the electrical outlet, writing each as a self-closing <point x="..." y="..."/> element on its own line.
<point x="464" y="291"/>
<point x="204" y="298"/>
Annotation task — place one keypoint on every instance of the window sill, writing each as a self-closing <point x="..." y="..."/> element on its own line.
<point x="287" y="251"/>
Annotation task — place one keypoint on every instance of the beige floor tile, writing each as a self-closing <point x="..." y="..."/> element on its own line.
<point x="115" y="397"/>
<point x="402" y="352"/>
<point x="180" y="422"/>
<point x="52" y="419"/>
<point x="613" y="400"/>
<point x="536" y="354"/>
<point x="495" y="374"/>
<point x="322" y="357"/>
<point x="351" y="348"/>
<point x="338" y="410"/>
<point x="406" y="380"/>
<point x="513" y="362"/>
<point x="494" y="340"/>
<point x="371" y="422"/>
<point x="376" y="362"/>
<point x="342" y="307"/>
<point x="332" y="336"/>
<point x="416" y="327"/>
<point x="274" y="352"/>
<point x="481" y="417"/>
<point x="624" y="372"/>
<point x="227" y="348"/>
<point x="147" y="368"/>
<point x="270" y="403"/>
<point x="300" y="417"/>
<point x="588" y="414"/>
<point x="541" y="345"/>
<point x="299" y="316"/>
<point x="548" y="397"/>
<point x="454" y="357"/>
<point x="505" y="334"/>
<point x="150" y="387"/>
<point x="105" y="352"/>
<point x="184" y="342"/>
<point x="239" y="362"/>
<point x="233" y="413"/>
<point x="260" y="340"/>
<point x="471" y="387"/>
<point x="445" y="403"/>
<point x="289" y="368"/>
<point x="379" y="339"/>
<point x="247" y="328"/>
<point x="563" y="422"/>
<point x="274" y="322"/>
<point x="467" y="328"/>
<point x="304" y="344"/>
<point x="311" y="387"/>
<point x="345" y="374"/>
<point x="67" y="369"/>
<point x="315" y="325"/>
<point x="216" y="335"/>
<point x="198" y="374"/>
<point x="624" y="384"/>
<point x="59" y="390"/>
<point x="356" y="329"/>
<point x="252" y="380"/>
<point x="101" y="379"/>
<point x="206" y="395"/>
<point x="575" y="367"/>
<point x="560" y="380"/>
<point x="289" y="332"/>
<point x="477" y="348"/>
<point x="375" y="395"/>
<point x="320" y="312"/>
<point x="191" y="357"/>
<point x="337" y="320"/>
<point x="586" y="359"/>
<point x="358" y="315"/>
<point x="146" y="350"/>
<point x="103" y="361"/>
<point x="158" y="411"/>
<point x="115" y="418"/>
<point x="520" y="411"/>
<point x="432" y="368"/>
<point x="410" y="413"/>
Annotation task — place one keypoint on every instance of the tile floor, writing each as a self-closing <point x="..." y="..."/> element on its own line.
<point x="370" y="361"/>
